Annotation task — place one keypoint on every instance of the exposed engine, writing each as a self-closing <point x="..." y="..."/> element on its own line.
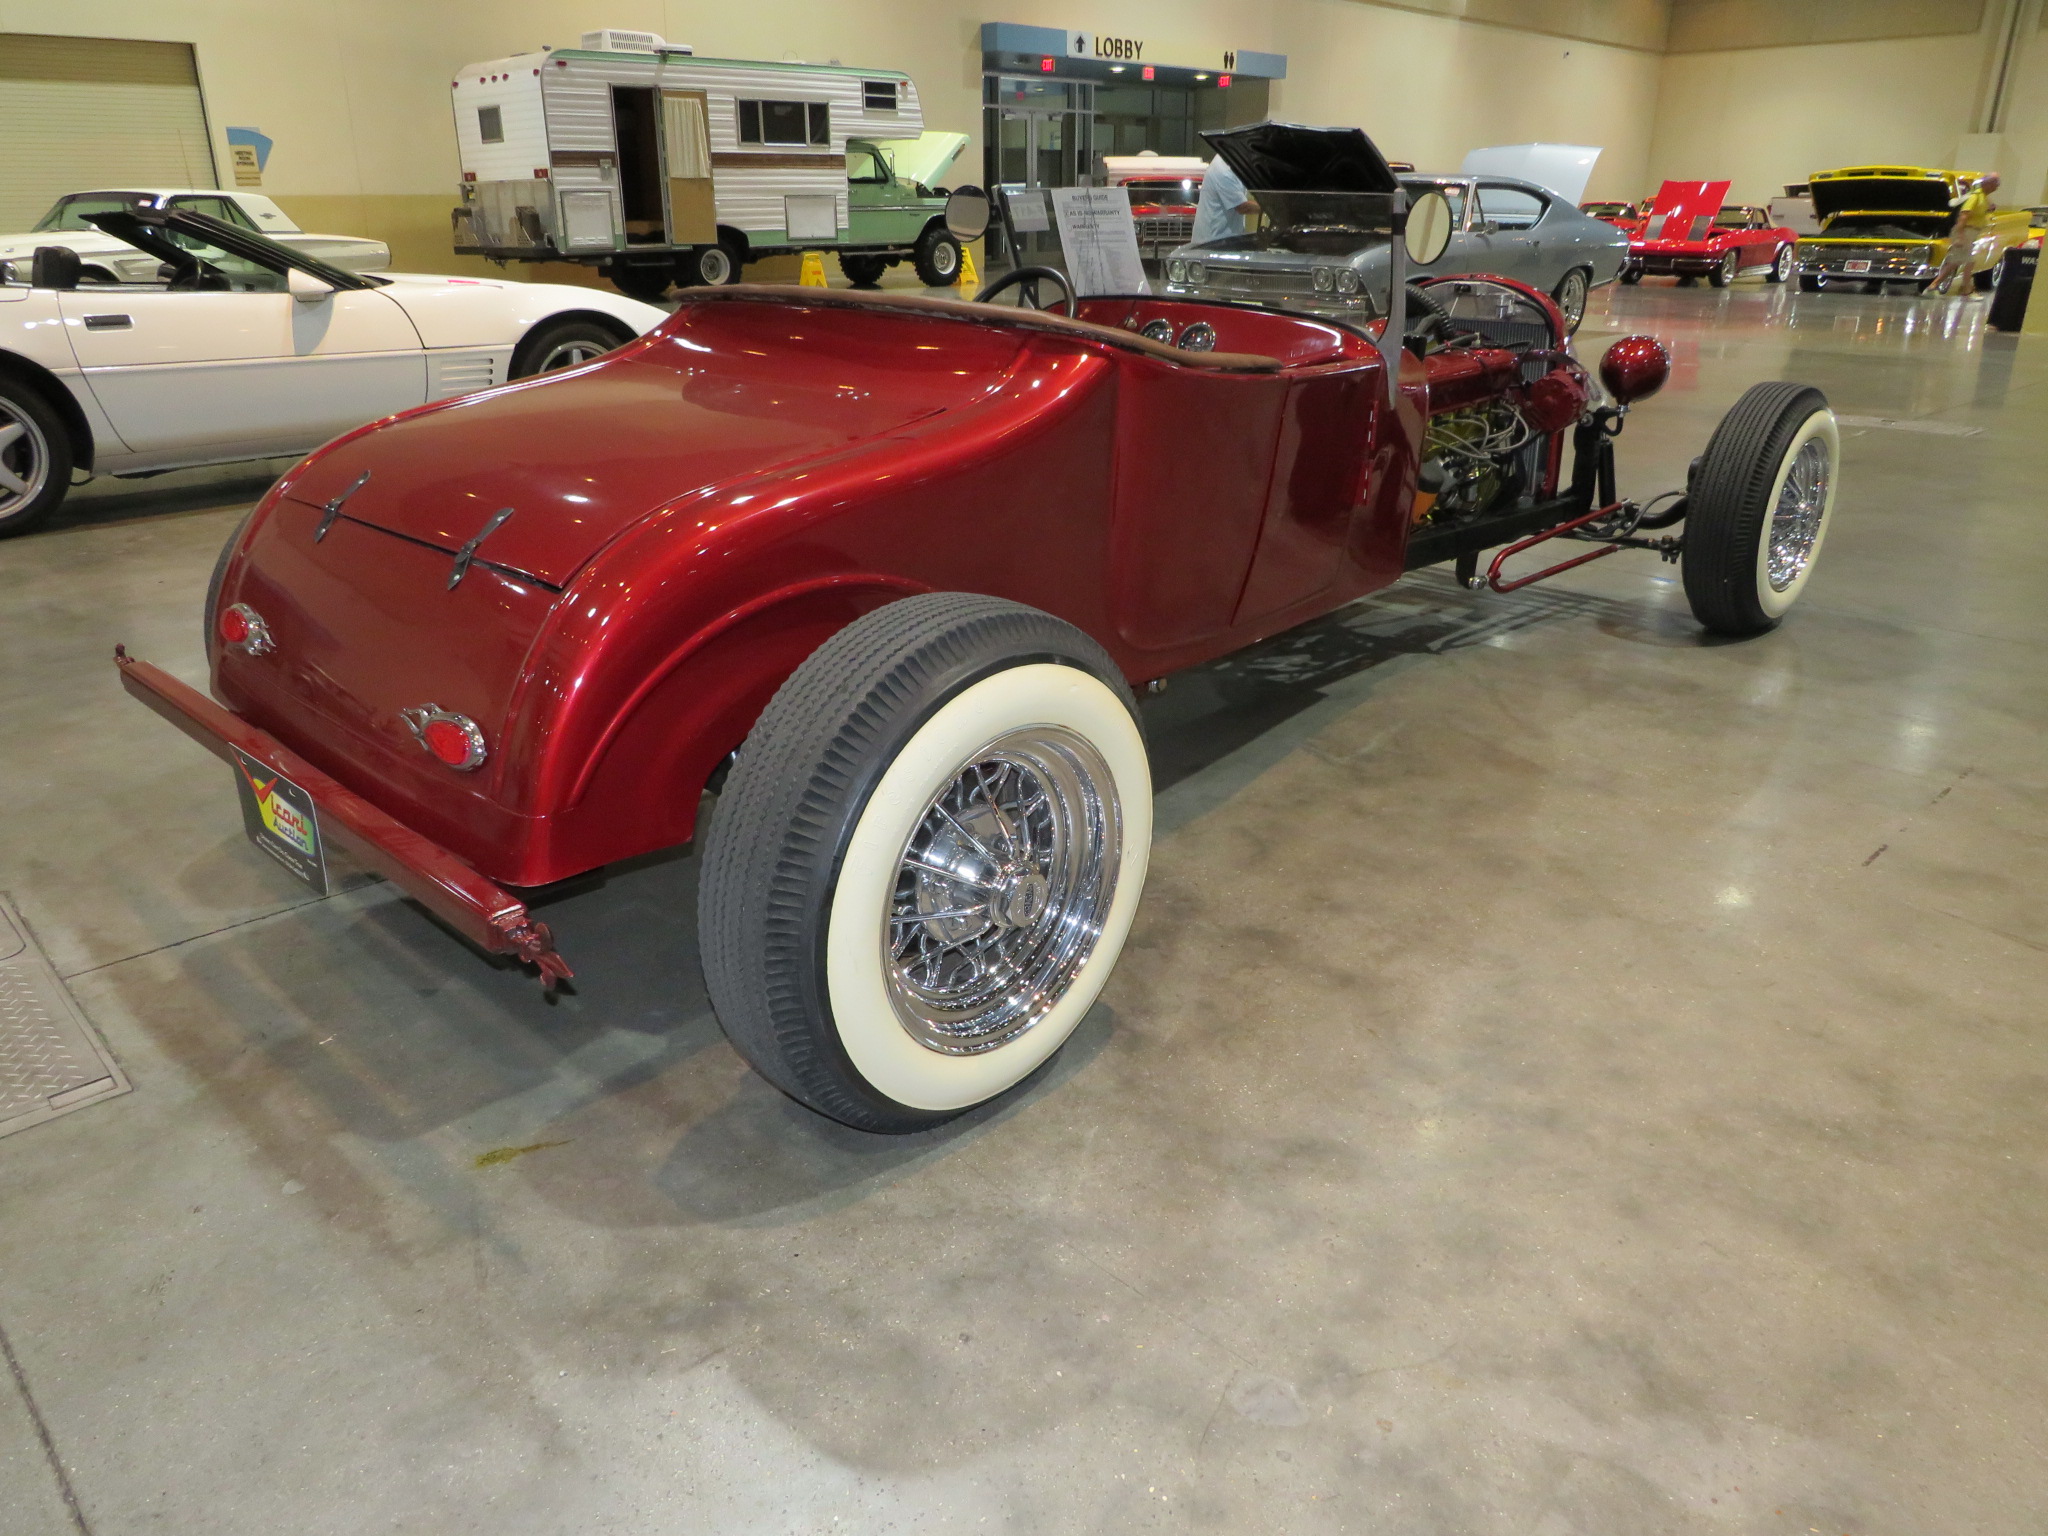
<point x="1474" y="460"/>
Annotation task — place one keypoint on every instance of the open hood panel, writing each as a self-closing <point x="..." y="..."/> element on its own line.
<point x="1879" y="191"/>
<point x="1288" y="157"/>
<point x="924" y="159"/>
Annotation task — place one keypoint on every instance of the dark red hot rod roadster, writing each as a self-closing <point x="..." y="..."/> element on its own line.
<point x="884" y="569"/>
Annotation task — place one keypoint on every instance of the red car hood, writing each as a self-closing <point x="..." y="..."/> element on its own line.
<point x="578" y="458"/>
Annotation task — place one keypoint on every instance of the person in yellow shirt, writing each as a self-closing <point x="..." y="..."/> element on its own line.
<point x="1973" y="222"/>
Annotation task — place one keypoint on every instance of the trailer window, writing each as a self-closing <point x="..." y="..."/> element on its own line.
<point x="785" y="122"/>
<point x="878" y="95"/>
<point x="490" y="125"/>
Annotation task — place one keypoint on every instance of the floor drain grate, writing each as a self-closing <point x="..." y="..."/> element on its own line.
<point x="51" y="1062"/>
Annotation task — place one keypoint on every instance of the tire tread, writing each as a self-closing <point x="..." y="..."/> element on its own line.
<point x="799" y="784"/>
<point x="1728" y="503"/>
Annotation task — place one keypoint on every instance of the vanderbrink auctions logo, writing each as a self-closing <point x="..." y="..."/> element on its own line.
<point x="280" y="818"/>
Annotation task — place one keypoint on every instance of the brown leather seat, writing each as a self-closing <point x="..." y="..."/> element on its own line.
<point x="980" y="314"/>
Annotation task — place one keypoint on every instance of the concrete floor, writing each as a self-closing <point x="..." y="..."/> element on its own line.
<point x="1566" y="1078"/>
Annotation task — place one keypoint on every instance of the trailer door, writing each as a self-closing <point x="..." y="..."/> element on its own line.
<point x="686" y="146"/>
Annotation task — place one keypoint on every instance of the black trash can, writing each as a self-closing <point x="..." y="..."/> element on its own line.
<point x="2015" y="284"/>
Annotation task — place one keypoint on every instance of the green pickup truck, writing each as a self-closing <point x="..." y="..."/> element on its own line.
<point x="896" y="212"/>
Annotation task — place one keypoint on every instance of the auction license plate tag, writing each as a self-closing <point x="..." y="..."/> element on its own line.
<point x="280" y="819"/>
<point x="1855" y="266"/>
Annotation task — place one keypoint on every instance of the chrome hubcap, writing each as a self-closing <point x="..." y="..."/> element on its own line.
<point x="24" y="460"/>
<point x="1572" y="301"/>
<point x="714" y="266"/>
<point x="1795" y="521"/>
<point x="1002" y="891"/>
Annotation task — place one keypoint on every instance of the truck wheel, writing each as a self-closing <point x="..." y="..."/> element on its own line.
<point x="35" y="458"/>
<point x="1631" y="275"/>
<point x="646" y="281"/>
<point x="1781" y="265"/>
<point x="1759" y="506"/>
<point x="937" y="259"/>
<point x="708" y="266"/>
<point x="1724" y="273"/>
<point x="863" y="271"/>
<point x="1811" y="282"/>
<point x="926" y="858"/>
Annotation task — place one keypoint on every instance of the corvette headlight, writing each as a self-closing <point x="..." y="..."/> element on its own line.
<point x="1196" y="272"/>
<point x="1324" y="279"/>
<point x="1347" y="281"/>
<point x="1176" y="271"/>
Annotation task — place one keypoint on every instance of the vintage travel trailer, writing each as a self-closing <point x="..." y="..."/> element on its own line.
<point x="632" y="154"/>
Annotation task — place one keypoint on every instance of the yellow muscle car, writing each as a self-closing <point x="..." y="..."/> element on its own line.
<point x="1887" y="224"/>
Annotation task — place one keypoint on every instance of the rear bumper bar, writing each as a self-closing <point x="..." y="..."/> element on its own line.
<point x="482" y="912"/>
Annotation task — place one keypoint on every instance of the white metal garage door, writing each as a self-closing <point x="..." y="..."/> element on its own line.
<point x="83" y="112"/>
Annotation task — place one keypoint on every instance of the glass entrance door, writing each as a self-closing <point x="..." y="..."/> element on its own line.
<point x="1039" y="134"/>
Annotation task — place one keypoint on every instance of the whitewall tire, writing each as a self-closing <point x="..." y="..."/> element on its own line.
<point x="1759" y="508"/>
<point x="926" y="859"/>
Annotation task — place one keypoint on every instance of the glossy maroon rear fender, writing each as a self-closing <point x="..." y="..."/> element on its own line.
<point x="715" y="513"/>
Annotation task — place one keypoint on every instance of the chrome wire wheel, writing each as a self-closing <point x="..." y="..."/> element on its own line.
<point x="24" y="459"/>
<point x="1002" y="890"/>
<point x="1796" y="519"/>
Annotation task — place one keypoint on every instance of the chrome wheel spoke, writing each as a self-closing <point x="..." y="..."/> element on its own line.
<point x="1796" y="519"/>
<point x="1001" y="890"/>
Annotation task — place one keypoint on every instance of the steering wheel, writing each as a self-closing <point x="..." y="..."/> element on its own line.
<point x="1034" y="276"/>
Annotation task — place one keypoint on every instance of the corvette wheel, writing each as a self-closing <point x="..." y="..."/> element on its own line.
<point x="1759" y="508"/>
<point x="1631" y="275"/>
<point x="1724" y="274"/>
<point x="35" y="458"/>
<point x="1571" y="298"/>
<point x="925" y="860"/>
<point x="1781" y="266"/>
<point x="565" y="344"/>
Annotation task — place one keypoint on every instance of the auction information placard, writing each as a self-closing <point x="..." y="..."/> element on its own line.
<point x="1100" y="240"/>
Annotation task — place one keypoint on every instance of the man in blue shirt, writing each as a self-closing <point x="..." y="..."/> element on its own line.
<point x="1224" y="203"/>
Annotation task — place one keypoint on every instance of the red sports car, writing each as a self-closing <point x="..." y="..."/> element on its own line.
<point x="883" y="570"/>
<point x="1620" y="215"/>
<point x="1687" y="230"/>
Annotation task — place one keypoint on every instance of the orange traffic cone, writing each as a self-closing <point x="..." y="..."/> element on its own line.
<point x="813" y="275"/>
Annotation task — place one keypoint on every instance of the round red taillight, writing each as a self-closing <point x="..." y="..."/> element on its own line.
<point x="448" y="741"/>
<point x="453" y="739"/>
<point x="243" y="629"/>
<point x="1635" y="368"/>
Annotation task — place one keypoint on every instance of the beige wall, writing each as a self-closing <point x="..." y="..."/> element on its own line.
<point x="1770" y="113"/>
<point x="355" y="92"/>
<point x="355" y="95"/>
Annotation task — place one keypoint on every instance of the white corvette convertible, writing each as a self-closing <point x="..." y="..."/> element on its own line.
<point x="242" y="348"/>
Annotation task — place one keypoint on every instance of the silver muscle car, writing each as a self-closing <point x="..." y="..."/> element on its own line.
<point x="1299" y="258"/>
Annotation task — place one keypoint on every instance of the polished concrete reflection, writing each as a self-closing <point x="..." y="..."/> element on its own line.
<point x="1567" y="1077"/>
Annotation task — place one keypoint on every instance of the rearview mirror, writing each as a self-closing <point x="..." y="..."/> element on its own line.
<point x="967" y="214"/>
<point x="305" y="287"/>
<point x="1429" y="227"/>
